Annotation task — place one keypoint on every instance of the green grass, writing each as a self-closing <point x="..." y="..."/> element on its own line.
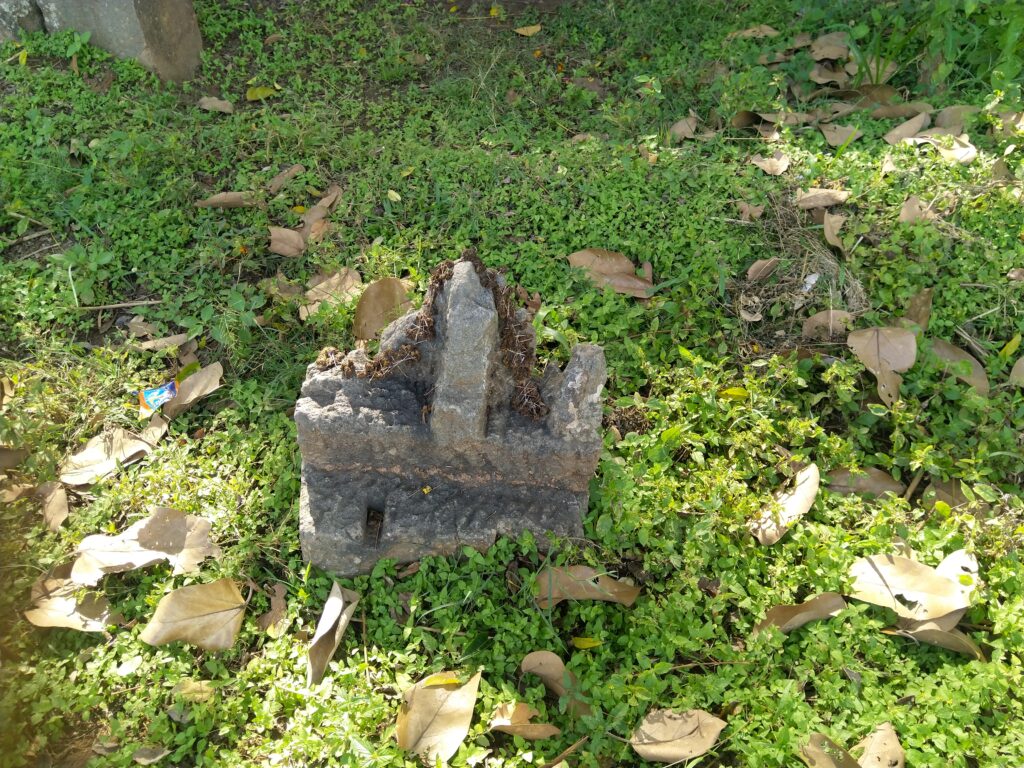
<point x="473" y="126"/>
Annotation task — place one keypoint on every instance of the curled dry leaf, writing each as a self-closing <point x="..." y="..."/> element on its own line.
<point x="823" y="73"/>
<point x="149" y="755"/>
<point x="275" y="621"/>
<point x="881" y="749"/>
<point x="213" y="104"/>
<point x="556" y="678"/>
<point x="319" y="212"/>
<point x="59" y="602"/>
<point x="529" y="31"/>
<point x="962" y="365"/>
<point x="788" y="506"/>
<point x="885" y="352"/>
<point x="901" y="110"/>
<point x="205" y="615"/>
<point x="195" y="387"/>
<point x="433" y="721"/>
<point x="762" y="269"/>
<point x="816" y="197"/>
<point x="54" y="500"/>
<point x="960" y="151"/>
<point x="339" y="287"/>
<point x="930" y="633"/>
<point x="908" y="129"/>
<point x="383" y="301"/>
<point x="866" y="481"/>
<point x="684" y="129"/>
<point x="14" y="492"/>
<point x="515" y="720"/>
<point x="833" y="223"/>
<point x="838" y="135"/>
<point x="911" y="589"/>
<point x="821" y="752"/>
<point x="750" y="212"/>
<point x="155" y="345"/>
<point x="286" y="242"/>
<point x="580" y="582"/>
<point x="827" y="324"/>
<point x="775" y="165"/>
<point x="228" y="200"/>
<point x="667" y="736"/>
<point x="166" y="534"/>
<point x="613" y="269"/>
<point x="277" y="183"/>
<point x="103" y="454"/>
<point x="834" y="45"/>
<point x="338" y="611"/>
<point x="790" y="617"/>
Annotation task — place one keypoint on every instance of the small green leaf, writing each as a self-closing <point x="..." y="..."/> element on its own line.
<point x="394" y="197"/>
<point x="585" y="643"/>
<point x="1011" y="346"/>
<point x="259" y="93"/>
<point x="737" y="394"/>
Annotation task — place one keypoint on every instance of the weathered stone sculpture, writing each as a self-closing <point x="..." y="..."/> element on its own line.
<point x="444" y="439"/>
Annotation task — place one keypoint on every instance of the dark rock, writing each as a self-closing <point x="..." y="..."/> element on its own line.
<point x="17" y="16"/>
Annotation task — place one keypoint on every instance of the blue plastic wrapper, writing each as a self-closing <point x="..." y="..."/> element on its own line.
<point x="150" y="400"/>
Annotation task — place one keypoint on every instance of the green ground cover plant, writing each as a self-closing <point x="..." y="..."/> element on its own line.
<point x="445" y="129"/>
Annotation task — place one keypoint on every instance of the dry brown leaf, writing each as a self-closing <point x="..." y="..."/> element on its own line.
<point x="753" y="33"/>
<point x="286" y="242"/>
<point x="901" y="111"/>
<point x="750" y="212"/>
<point x="556" y="678"/>
<point x="884" y="352"/>
<point x="911" y="589"/>
<point x="195" y="387"/>
<point x="821" y="752"/>
<point x="775" y="165"/>
<point x="684" y="129"/>
<point x="275" y="621"/>
<point x="612" y="269"/>
<point x="1016" y="377"/>
<point x="16" y="491"/>
<point x="337" y="613"/>
<point x="827" y="324"/>
<point x="832" y="224"/>
<point x="213" y="104"/>
<point x="139" y="328"/>
<point x="762" y="269"/>
<point x="816" y="197"/>
<point x="961" y="151"/>
<point x="667" y="736"/>
<point x="876" y="70"/>
<point x="54" y="500"/>
<point x="580" y="582"/>
<point x="319" y="212"/>
<point x="908" y="129"/>
<point x="280" y="287"/>
<point x="881" y="749"/>
<point x="838" y="135"/>
<point x="433" y="721"/>
<point x="206" y="615"/>
<point x="196" y="691"/>
<point x="831" y="46"/>
<point x="824" y="73"/>
<point x="1016" y="274"/>
<point x="954" y="118"/>
<point x="11" y="457"/>
<point x="103" y="454"/>
<point x="149" y="755"/>
<point x="931" y="633"/>
<point x="834" y="110"/>
<point x="529" y="31"/>
<point x="790" y="617"/>
<point x="788" y="506"/>
<point x="277" y="183"/>
<point x="338" y="288"/>
<point x="515" y="719"/>
<point x="166" y="534"/>
<point x="382" y="302"/>
<point x="867" y="481"/>
<point x="914" y="210"/>
<point x="228" y="200"/>
<point x="888" y="166"/>
<point x="62" y="603"/>
<point x="963" y="365"/>
<point x="155" y="345"/>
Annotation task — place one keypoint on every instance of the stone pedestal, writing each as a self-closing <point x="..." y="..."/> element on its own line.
<point x="434" y="445"/>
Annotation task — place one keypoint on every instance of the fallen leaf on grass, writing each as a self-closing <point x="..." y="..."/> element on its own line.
<point x="832" y="224"/>
<point x="382" y="302"/>
<point x="337" y="288"/>
<point x="556" y="678"/>
<point x="961" y="151"/>
<point x="529" y="31"/>
<point x="228" y="200"/>
<point x="750" y="212"/>
<point x="834" y="45"/>
<point x="613" y="269"/>
<point x="753" y="33"/>
<point x="838" y="135"/>
<point x="213" y="104"/>
<point x="206" y="615"/>
<point x="788" y="506"/>
<point x="908" y="129"/>
<point x="319" y="212"/>
<point x="827" y="324"/>
<point x="195" y="387"/>
<point x="54" y="499"/>
<point x="149" y="755"/>
<point x="103" y="454"/>
<point x="911" y="589"/>
<point x="61" y="603"/>
<point x="901" y="110"/>
<point x="338" y="612"/>
<point x="914" y="210"/>
<point x="580" y="582"/>
<point x="962" y="364"/>
<point x="867" y="481"/>
<point x="260" y="92"/>
<point x="166" y="534"/>
<point x="885" y="352"/>
<point x="155" y="345"/>
<point x="286" y="242"/>
<point x="821" y="752"/>
<point x="929" y="633"/>
<point x="275" y="621"/>
<point x="762" y="269"/>
<point x="433" y="721"/>
<point x="881" y="749"/>
<point x="954" y="117"/>
<point x="277" y="183"/>
<point x="1016" y="377"/>
<point x="823" y="73"/>
<point x="515" y="720"/>
<point x="684" y="129"/>
<point x="790" y="617"/>
<point x="196" y="691"/>
<point x="775" y="165"/>
<point x="16" y="491"/>
<point x="816" y="197"/>
<point x="11" y="457"/>
<point x="667" y="736"/>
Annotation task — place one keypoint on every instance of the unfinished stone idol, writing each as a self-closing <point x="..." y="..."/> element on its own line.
<point x="445" y="439"/>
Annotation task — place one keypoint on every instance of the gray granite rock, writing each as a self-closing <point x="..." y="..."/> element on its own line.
<point x="428" y="455"/>
<point x="17" y="16"/>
